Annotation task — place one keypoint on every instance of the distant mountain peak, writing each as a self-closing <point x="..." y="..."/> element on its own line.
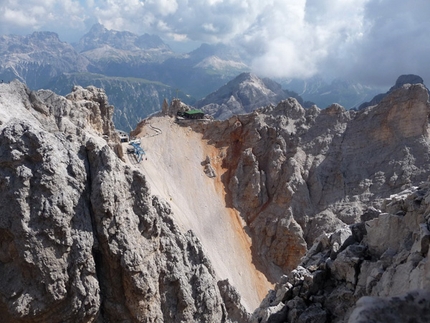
<point x="407" y="79"/>
<point x="44" y="35"/>
<point x="401" y="80"/>
<point x="97" y="28"/>
<point x="222" y="51"/>
<point x="244" y="94"/>
<point x="99" y="36"/>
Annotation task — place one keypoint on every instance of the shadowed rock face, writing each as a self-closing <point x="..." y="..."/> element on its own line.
<point x="373" y="271"/>
<point x="81" y="237"/>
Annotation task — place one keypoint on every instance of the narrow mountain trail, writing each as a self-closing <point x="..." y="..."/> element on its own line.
<point x="173" y="168"/>
<point x="158" y="131"/>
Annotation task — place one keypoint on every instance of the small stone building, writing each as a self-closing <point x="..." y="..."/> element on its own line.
<point x="123" y="136"/>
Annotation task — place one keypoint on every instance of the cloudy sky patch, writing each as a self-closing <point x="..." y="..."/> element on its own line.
<point x="372" y="41"/>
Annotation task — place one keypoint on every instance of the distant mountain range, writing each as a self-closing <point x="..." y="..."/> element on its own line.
<point x="37" y="58"/>
<point x="138" y="72"/>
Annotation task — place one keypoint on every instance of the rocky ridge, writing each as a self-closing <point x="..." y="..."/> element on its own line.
<point x="82" y="238"/>
<point x="330" y="220"/>
<point x="296" y="175"/>
<point x="375" y="270"/>
<point x="143" y="97"/>
<point x="295" y="172"/>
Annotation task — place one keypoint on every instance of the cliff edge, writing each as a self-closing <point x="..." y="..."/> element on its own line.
<point x="82" y="238"/>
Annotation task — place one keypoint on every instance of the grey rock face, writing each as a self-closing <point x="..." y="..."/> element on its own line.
<point x="383" y="277"/>
<point x="296" y="173"/>
<point x="82" y="239"/>
<point x="48" y="271"/>
<point x="411" y="307"/>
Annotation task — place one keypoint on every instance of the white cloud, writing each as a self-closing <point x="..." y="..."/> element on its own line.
<point x="36" y="15"/>
<point x="18" y="17"/>
<point x="179" y="37"/>
<point x="295" y="40"/>
<point x="71" y="7"/>
<point x="210" y="28"/>
<point x="366" y="38"/>
<point x="396" y="40"/>
<point x="162" y="7"/>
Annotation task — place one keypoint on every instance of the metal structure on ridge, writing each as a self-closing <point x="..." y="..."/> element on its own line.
<point x="137" y="150"/>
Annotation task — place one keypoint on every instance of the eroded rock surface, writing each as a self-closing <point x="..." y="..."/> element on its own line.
<point x="295" y="173"/>
<point x="82" y="239"/>
<point x="374" y="271"/>
<point x="297" y="176"/>
<point x="335" y="202"/>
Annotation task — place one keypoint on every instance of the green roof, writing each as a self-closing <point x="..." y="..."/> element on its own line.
<point x="193" y="111"/>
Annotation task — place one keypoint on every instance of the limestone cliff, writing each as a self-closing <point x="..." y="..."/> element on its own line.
<point x="295" y="173"/>
<point x="332" y="205"/>
<point x="373" y="271"/>
<point x="82" y="239"/>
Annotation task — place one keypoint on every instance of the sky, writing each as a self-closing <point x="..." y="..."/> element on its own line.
<point x="367" y="41"/>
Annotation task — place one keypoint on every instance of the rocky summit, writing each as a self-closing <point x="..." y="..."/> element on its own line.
<point x="284" y="214"/>
<point x="244" y="94"/>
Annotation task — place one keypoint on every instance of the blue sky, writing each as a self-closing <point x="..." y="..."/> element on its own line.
<point x="371" y="41"/>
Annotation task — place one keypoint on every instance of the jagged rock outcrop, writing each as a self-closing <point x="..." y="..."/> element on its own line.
<point x="295" y="173"/>
<point x="384" y="259"/>
<point x="82" y="239"/>
<point x="335" y="202"/>
<point x="134" y="98"/>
